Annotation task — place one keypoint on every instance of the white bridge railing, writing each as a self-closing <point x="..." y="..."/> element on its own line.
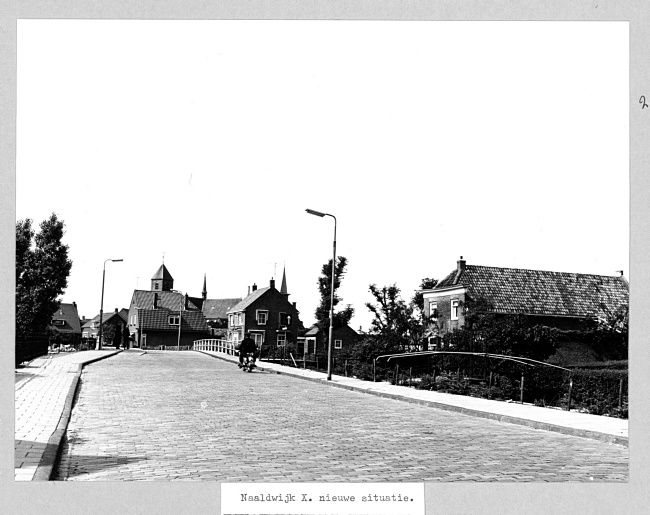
<point x="215" y="346"/>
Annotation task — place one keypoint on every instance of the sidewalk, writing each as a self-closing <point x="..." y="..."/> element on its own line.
<point x="606" y="429"/>
<point x="44" y="391"/>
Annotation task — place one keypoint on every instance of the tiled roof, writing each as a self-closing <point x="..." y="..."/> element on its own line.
<point x="123" y="314"/>
<point x="218" y="308"/>
<point x="313" y="330"/>
<point x="158" y="319"/>
<point x="166" y="299"/>
<point x="162" y="273"/>
<point x="539" y="292"/>
<point x="241" y="306"/>
<point x="68" y="313"/>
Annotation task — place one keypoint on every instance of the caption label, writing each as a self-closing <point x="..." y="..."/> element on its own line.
<point x="322" y="498"/>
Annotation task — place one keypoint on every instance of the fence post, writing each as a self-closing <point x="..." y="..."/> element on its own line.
<point x="410" y="377"/>
<point x="568" y="405"/>
<point x="620" y="397"/>
<point x="490" y="385"/>
<point x="346" y="368"/>
<point x="374" y="365"/>
<point x="521" y="393"/>
<point x="396" y="373"/>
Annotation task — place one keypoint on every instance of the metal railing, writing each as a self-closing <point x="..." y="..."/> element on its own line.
<point x="225" y="346"/>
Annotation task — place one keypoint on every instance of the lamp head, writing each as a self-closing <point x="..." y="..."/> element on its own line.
<point x="316" y="213"/>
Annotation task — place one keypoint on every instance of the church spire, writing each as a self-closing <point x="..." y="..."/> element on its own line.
<point x="283" y="288"/>
<point x="205" y="290"/>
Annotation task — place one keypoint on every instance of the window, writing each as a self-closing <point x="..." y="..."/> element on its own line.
<point x="259" y="338"/>
<point x="454" y="310"/>
<point x="155" y="286"/>
<point x="282" y="339"/>
<point x="240" y="319"/>
<point x="262" y="317"/>
<point x="338" y="344"/>
<point x="433" y="310"/>
<point x="58" y="322"/>
<point x="174" y="320"/>
<point x="285" y="319"/>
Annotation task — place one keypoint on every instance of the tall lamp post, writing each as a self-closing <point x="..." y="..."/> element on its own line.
<point x="101" y="308"/>
<point x="180" y="319"/>
<point x="329" y="342"/>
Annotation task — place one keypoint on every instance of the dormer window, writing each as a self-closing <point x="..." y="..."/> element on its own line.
<point x="58" y="322"/>
<point x="174" y="320"/>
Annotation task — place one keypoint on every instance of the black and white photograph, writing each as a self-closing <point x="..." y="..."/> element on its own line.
<point x="365" y="257"/>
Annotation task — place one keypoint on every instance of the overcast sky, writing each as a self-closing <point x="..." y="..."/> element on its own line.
<point x="504" y="142"/>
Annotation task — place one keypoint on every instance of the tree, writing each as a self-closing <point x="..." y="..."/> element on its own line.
<point x="343" y="317"/>
<point x="42" y="270"/>
<point x="393" y="317"/>
<point x="609" y="335"/>
<point x="420" y="320"/>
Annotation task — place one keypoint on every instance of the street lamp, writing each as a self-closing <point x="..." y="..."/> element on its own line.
<point x="101" y="308"/>
<point x="329" y="343"/>
<point x="180" y="319"/>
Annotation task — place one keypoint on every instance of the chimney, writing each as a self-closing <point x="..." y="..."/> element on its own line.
<point x="249" y="290"/>
<point x="116" y="311"/>
<point x="294" y="304"/>
<point x="155" y="300"/>
<point x="272" y="284"/>
<point x="254" y="287"/>
<point x="460" y="264"/>
<point x="186" y="302"/>
<point x="75" y="304"/>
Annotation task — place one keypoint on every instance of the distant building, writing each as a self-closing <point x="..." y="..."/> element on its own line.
<point x="268" y="315"/>
<point x="155" y="315"/>
<point x="117" y="320"/>
<point x="315" y="340"/>
<point x="65" y="322"/>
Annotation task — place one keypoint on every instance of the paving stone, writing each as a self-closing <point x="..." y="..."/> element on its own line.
<point x="188" y="416"/>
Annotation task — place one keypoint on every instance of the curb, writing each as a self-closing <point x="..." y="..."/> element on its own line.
<point x="544" y="426"/>
<point x="50" y="455"/>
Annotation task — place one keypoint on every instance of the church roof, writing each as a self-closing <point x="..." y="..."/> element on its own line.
<point x="162" y="273"/>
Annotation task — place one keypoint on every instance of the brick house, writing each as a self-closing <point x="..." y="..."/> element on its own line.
<point x="65" y="322"/>
<point x="117" y="319"/>
<point x="557" y="299"/>
<point x="314" y="340"/>
<point x="268" y="315"/>
<point x="155" y="315"/>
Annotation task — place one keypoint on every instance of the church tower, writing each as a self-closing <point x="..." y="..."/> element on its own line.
<point x="162" y="280"/>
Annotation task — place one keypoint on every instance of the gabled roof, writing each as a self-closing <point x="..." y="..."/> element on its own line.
<point x="241" y="306"/>
<point x="218" y="308"/>
<point x="158" y="319"/>
<point x="162" y="273"/>
<point x="69" y="314"/>
<point x="316" y="328"/>
<point x="539" y="292"/>
<point x="123" y="314"/>
<point x="143" y="299"/>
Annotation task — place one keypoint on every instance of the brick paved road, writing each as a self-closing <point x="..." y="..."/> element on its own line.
<point x="187" y="416"/>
